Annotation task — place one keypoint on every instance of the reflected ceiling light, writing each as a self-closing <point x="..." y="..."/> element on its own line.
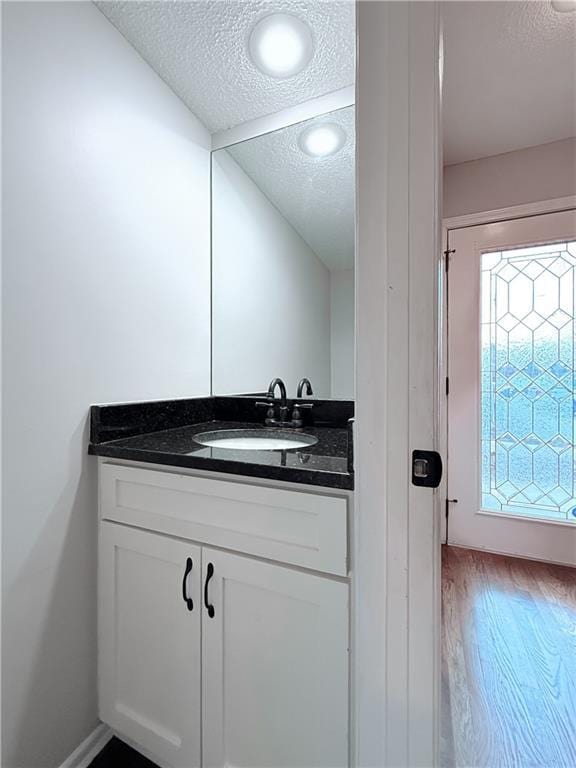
<point x="322" y="139"/>
<point x="281" y="45"/>
<point x="564" y="6"/>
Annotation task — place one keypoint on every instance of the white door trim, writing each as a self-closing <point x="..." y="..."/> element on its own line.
<point x="554" y="205"/>
<point x="395" y="536"/>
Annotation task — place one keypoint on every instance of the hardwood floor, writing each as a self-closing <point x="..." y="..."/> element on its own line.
<point x="509" y="662"/>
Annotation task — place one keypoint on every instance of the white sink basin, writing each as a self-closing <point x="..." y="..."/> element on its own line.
<point x="255" y="440"/>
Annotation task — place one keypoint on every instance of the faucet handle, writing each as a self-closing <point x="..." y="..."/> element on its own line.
<point x="296" y="416"/>
<point x="270" y="412"/>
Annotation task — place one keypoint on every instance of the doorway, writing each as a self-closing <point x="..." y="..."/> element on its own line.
<point x="508" y="578"/>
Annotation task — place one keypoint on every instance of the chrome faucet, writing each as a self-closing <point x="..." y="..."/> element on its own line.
<point x="304" y="383"/>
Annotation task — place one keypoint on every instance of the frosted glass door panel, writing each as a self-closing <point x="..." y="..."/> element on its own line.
<point x="527" y="380"/>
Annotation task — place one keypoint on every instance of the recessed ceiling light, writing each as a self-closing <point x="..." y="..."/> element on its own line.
<point x="281" y="45"/>
<point x="564" y="6"/>
<point x="322" y="139"/>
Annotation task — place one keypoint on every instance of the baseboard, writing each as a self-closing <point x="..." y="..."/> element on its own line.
<point x="510" y="554"/>
<point x="90" y="747"/>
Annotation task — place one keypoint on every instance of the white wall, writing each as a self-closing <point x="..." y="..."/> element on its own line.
<point x="106" y="298"/>
<point x="271" y="292"/>
<point x="342" y="332"/>
<point x="528" y="175"/>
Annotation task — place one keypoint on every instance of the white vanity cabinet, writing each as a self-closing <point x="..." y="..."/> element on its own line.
<point x="149" y="642"/>
<point x="274" y="666"/>
<point x="256" y="674"/>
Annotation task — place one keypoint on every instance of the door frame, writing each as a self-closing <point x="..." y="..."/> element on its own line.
<point x="553" y="205"/>
<point x="539" y="208"/>
<point x="396" y="529"/>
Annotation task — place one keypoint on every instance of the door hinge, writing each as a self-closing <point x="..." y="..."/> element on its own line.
<point x="447" y="255"/>
<point x="448" y="502"/>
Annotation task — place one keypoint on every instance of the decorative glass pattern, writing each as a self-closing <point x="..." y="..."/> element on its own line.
<point x="528" y="304"/>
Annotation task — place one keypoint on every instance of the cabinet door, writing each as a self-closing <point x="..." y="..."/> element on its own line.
<point x="149" y="642"/>
<point x="274" y="666"/>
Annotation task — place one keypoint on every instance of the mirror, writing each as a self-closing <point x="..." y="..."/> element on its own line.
<point x="283" y="259"/>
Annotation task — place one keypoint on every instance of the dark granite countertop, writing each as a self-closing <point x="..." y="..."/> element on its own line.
<point x="327" y="463"/>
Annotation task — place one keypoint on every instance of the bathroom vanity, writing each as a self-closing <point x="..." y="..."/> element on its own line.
<point x="224" y="585"/>
<point x="224" y="552"/>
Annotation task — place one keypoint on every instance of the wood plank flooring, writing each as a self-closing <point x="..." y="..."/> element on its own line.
<point x="509" y="662"/>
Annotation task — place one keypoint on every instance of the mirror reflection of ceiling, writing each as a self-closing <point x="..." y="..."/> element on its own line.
<point x="314" y="194"/>
<point x="199" y="48"/>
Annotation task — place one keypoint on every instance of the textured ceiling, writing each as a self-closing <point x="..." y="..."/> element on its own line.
<point x="199" y="49"/>
<point x="316" y="195"/>
<point x="509" y="77"/>
<point x="510" y="67"/>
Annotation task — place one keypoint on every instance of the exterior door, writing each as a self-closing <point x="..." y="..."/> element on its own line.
<point x="511" y="353"/>
<point x="149" y="642"/>
<point x="275" y="666"/>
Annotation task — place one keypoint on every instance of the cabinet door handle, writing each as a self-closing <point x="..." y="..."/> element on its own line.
<point x="209" y="574"/>
<point x="187" y="571"/>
